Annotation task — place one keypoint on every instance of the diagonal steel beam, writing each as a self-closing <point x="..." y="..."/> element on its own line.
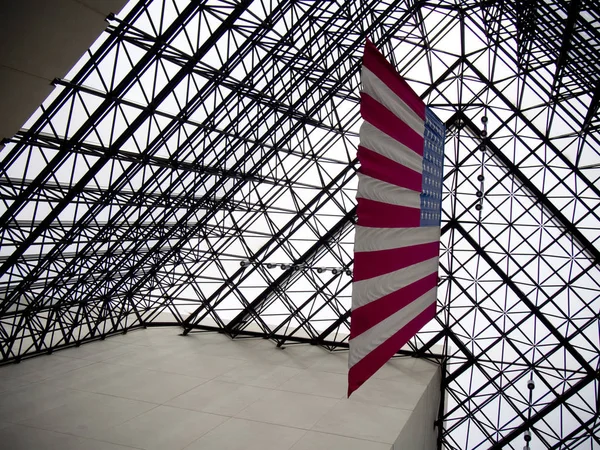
<point x="593" y="108"/>
<point x="321" y="338"/>
<point x="543" y="412"/>
<point x="566" y="45"/>
<point x="586" y="427"/>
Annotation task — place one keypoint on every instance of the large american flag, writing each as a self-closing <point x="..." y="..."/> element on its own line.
<point x="397" y="237"/>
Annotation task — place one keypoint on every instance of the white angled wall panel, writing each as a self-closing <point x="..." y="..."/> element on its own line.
<point x="41" y="40"/>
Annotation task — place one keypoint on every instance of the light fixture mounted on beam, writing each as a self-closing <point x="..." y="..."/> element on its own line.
<point x="298" y="267"/>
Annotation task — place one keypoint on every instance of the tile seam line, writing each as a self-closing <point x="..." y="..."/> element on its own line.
<point x="73" y="435"/>
<point x="307" y="430"/>
<point x="77" y="436"/>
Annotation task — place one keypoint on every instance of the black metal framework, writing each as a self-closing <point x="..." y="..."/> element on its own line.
<point x="196" y="136"/>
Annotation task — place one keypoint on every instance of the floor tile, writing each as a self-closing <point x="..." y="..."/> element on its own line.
<point x="325" y="384"/>
<point x="259" y="374"/>
<point x="195" y="365"/>
<point x="128" y="382"/>
<point x="219" y="398"/>
<point x="98" y="351"/>
<point x="323" y="441"/>
<point x="93" y="444"/>
<point x="163" y="390"/>
<point x="147" y="385"/>
<point x="133" y="337"/>
<point x="289" y="409"/>
<point x="271" y="354"/>
<point x="145" y="357"/>
<point x="33" y="399"/>
<point x="336" y="362"/>
<point x="363" y="421"/>
<point x="89" y="415"/>
<point x="20" y="437"/>
<point x="239" y="434"/>
<point x="306" y="353"/>
<point x="163" y="428"/>
<point x="206" y="366"/>
<point x="194" y="341"/>
<point x="236" y="348"/>
<point x="42" y="367"/>
<point x="157" y="337"/>
<point x="82" y="377"/>
<point x="10" y="384"/>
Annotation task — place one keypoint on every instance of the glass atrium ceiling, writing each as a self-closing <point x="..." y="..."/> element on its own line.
<point x="197" y="167"/>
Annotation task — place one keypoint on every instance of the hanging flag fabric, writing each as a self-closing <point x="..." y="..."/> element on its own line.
<point x="397" y="236"/>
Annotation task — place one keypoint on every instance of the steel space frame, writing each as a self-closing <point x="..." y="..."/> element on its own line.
<point x="197" y="169"/>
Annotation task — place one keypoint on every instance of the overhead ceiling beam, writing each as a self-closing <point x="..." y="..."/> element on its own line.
<point x="46" y="173"/>
<point x="593" y="108"/>
<point x="566" y="44"/>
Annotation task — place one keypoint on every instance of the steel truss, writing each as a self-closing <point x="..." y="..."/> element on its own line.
<point x="197" y="168"/>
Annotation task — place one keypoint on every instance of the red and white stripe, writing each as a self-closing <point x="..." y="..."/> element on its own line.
<point x="395" y="259"/>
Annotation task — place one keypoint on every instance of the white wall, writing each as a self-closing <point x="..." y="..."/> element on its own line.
<point x="419" y="433"/>
<point x="41" y="40"/>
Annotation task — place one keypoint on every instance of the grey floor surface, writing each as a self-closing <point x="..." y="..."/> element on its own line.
<point x="154" y="389"/>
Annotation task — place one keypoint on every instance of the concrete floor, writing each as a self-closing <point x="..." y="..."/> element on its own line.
<point x="153" y="389"/>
